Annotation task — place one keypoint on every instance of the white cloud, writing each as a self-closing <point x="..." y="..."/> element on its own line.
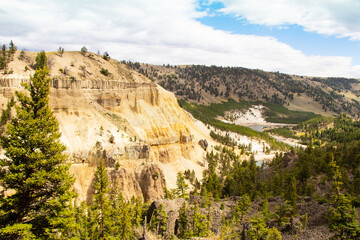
<point x="156" y="31"/>
<point x="330" y="17"/>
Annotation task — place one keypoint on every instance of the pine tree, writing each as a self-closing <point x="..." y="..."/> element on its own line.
<point x="60" y="51"/>
<point x="265" y="210"/>
<point x="100" y="208"/>
<point x="291" y="194"/>
<point x="181" y="186"/>
<point x="12" y="47"/>
<point x="183" y="222"/>
<point x="82" y="220"/>
<point x="3" y="59"/>
<point x="83" y="50"/>
<point x="159" y="220"/>
<point x="137" y="211"/>
<point x="343" y="219"/>
<point x="40" y="60"/>
<point x="6" y="114"/>
<point x="122" y="217"/>
<point x="342" y="216"/>
<point x="199" y="223"/>
<point x="259" y="230"/>
<point x="34" y="166"/>
<point x="241" y="208"/>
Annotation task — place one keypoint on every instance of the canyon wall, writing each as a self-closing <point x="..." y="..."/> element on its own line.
<point x="135" y="125"/>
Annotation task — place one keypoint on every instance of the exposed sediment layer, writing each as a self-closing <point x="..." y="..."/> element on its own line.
<point x="125" y="122"/>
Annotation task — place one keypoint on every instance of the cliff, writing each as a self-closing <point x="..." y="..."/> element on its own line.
<point x="136" y="125"/>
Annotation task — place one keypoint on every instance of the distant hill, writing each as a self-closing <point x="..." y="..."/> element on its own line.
<point x="205" y="85"/>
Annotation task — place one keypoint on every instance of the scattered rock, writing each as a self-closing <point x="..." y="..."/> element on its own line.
<point x="203" y="143"/>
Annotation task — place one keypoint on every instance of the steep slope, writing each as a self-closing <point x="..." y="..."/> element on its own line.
<point x="205" y="85"/>
<point x="122" y="116"/>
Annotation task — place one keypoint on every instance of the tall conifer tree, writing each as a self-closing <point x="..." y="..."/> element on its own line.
<point x="34" y="167"/>
<point x="100" y="216"/>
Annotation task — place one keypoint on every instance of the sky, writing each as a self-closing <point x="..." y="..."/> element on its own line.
<point x="302" y="37"/>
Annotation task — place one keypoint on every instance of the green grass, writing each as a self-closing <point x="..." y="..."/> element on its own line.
<point x="280" y="114"/>
<point x="283" y="131"/>
<point x="208" y="114"/>
<point x="215" y="109"/>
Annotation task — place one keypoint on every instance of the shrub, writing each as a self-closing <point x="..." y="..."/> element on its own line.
<point x="106" y="56"/>
<point x="104" y="72"/>
<point x="84" y="50"/>
<point x="117" y="166"/>
<point x="111" y="139"/>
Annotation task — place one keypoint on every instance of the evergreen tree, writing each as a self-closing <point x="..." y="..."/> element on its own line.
<point x="40" y="60"/>
<point x="83" y="50"/>
<point x="82" y="220"/>
<point x="3" y="59"/>
<point x="137" y="211"/>
<point x="277" y="184"/>
<point x="342" y="216"/>
<point x="260" y="231"/>
<point x="60" y="51"/>
<point x="291" y="194"/>
<point x="183" y="231"/>
<point x="34" y="166"/>
<point x="199" y="223"/>
<point x="159" y="220"/>
<point x="121" y="218"/>
<point x="283" y="214"/>
<point x="6" y="114"/>
<point x="241" y="208"/>
<point x="100" y="208"/>
<point x="265" y="210"/>
<point x="212" y="184"/>
<point x="343" y="219"/>
<point x="181" y="186"/>
<point x="12" y="47"/>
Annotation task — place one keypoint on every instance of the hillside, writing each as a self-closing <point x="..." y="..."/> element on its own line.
<point x="107" y="110"/>
<point x="205" y="85"/>
<point x="200" y="172"/>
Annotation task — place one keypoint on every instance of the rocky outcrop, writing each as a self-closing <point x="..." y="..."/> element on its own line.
<point x="145" y="182"/>
<point x="203" y="143"/>
<point x="125" y="181"/>
<point x="123" y="118"/>
<point x="152" y="183"/>
<point x="72" y="83"/>
<point x="171" y="208"/>
<point x="315" y="229"/>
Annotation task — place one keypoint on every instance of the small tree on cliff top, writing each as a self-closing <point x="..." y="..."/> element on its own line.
<point x="34" y="166"/>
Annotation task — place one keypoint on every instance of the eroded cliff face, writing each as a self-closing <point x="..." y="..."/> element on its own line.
<point x="134" y="124"/>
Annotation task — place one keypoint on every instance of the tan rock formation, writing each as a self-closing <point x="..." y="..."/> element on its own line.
<point x="124" y="118"/>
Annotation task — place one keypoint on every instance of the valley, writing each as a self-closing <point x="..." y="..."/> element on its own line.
<point x="230" y="149"/>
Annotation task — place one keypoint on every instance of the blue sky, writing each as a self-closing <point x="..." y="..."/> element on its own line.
<point x="310" y="43"/>
<point x="303" y="37"/>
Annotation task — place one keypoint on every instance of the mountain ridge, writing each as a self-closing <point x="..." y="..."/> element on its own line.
<point x="212" y="84"/>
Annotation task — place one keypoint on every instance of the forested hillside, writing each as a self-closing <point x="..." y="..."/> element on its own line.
<point x="203" y="84"/>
